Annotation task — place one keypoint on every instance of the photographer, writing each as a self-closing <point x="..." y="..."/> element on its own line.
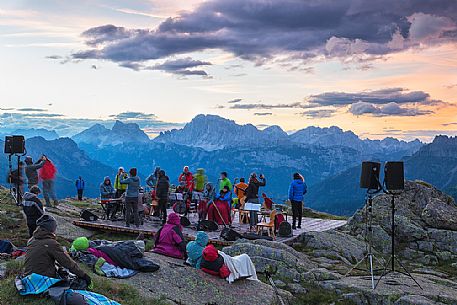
<point x="16" y="178"/>
<point x="252" y="194"/>
<point x="31" y="170"/>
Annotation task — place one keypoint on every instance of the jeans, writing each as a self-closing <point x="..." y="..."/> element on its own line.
<point x="297" y="212"/>
<point x="80" y="195"/>
<point x="253" y="215"/>
<point x="48" y="191"/>
<point x="131" y="206"/>
<point x="163" y="209"/>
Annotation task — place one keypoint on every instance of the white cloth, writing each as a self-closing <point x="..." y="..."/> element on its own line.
<point x="240" y="266"/>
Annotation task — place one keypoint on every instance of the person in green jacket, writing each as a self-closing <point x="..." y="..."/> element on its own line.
<point x="200" y="180"/>
<point x="224" y="181"/>
<point x="118" y="186"/>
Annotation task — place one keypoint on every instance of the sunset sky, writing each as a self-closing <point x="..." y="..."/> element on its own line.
<point x="378" y="68"/>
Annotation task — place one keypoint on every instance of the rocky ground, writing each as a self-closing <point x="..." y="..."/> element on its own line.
<point x="313" y="270"/>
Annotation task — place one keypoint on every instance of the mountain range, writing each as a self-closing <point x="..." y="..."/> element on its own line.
<point x="329" y="158"/>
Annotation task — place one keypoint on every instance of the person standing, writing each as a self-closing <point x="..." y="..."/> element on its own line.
<point x="200" y="180"/>
<point x="162" y="187"/>
<point x="152" y="179"/>
<point x="31" y="170"/>
<point x="187" y="179"/>
<point x="33" y="208"/>
<point x="47" y="174"/>
<point x="297" y="190"/>
<point x="224" y="181"/>
<point x="252" y="194"/>
<point x="118" y="186"/>
<point x="16" y="178"/>
<point x="107" y="192"/>
<point x="131" y="197"/>
<point x="80" y="184"/>
<point x="240" y="190"/>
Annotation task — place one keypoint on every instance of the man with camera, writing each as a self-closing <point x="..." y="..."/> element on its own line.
<point x="31" y="170"/>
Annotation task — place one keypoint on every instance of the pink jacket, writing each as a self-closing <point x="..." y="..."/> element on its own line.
<point x="169" y="239"/>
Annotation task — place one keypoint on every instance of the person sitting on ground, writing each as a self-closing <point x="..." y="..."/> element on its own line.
<point x="131" y="197"/>
<point x="31" y="170"/>
<point x="200" y="180"/>
<point x="33" y="208"/>
<point x="169" y="239"/>
<point x="240" y="190"/>
<point x="213" y="263"/>
<point x="297" y="190"/>
<point x="43" y="252"/>
<point x="224" y="181"/>
<point x="107" y="192"/>
<point x="162" y="189"/>
<point x="195" y="248"/>
<point x="219" y="210"/>
<point x="152" y="179"/>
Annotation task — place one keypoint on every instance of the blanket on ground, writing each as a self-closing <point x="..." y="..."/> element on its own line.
<point x="91" y="298"/>
<point x="104" y="268"/>
<point x="34" y="284"/>
<point x="240" y="267"/>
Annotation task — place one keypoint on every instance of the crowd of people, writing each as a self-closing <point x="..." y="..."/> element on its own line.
<point x="212" y="203"/>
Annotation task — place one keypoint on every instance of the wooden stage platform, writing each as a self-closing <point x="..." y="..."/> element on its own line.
<point x="151" y="227"/>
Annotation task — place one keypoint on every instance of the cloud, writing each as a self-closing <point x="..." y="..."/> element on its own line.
<point x="390" y="109"/>
<point x="259" y="31"/>
<point x="237" y="100"/>
<point x="318" y="113"/>
<point x="133" y="115"/>
<point x="31" y="110"/>
<point x="383" y="96"/>
<point x="267" y="106"/>
<point x="181" y="66"/>
<point x="263" y="113"/>
<point x="451" y="86"/>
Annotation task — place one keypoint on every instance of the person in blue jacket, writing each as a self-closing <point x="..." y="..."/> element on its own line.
<point x="297" y="190"/>
<point x="80" y="185"/>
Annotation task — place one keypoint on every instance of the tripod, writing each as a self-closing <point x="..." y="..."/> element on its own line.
<point x="14" y="180"/>
<point x="369" y="256"/>
<point x="393" y="258"/>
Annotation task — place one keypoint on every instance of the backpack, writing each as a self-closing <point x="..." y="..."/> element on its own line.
<point x="180" y="207"/>
<point x="285" y="229"/>
<point x="278" y="220"/>
<point x="88" y="215"/>
<point x="207" y="225"/>
<point x="230" y="234"/>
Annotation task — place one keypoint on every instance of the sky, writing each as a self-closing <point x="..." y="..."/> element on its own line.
<point x="378" y="68"/>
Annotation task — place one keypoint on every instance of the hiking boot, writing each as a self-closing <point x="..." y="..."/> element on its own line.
<point x="299" y="226"/>
<point x="294" y="227"/>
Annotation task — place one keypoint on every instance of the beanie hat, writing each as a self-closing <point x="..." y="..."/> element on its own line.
<point x="80" y="244"/>
<point x="28" y="160"/>
<point x="35" y="190"/>
<point x="47" y="222"/>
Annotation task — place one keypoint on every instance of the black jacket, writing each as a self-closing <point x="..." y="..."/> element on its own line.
<point x="252" y="191"/>
<point x="33" y="208"/>
<point x="31" y="172"/>
<point x="162" y="188"/>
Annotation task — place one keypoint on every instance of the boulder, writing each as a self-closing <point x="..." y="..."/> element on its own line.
<point x="290" y="264"/>
<point x="416" y="300"/>
<point x="440" y="216"/>
<point x="182" y="284"/>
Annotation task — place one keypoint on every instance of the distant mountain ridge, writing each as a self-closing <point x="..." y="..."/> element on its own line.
<point x="33" y="132"/>
<point x="120" y="133"/>
<point x="212" y="132"/>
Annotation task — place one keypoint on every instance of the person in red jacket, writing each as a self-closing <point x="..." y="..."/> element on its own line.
<point x="213" y="263"/>
<point x="47" y="174"/>
<point x="187" y="178"/>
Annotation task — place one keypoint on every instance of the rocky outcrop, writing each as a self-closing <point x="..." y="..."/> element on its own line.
<point x="180" y="284"/>
<point x="290" y="264"/>
<point x="426" y="224"/>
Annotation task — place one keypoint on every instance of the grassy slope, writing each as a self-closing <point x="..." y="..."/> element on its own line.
<point x="13" y="228"/>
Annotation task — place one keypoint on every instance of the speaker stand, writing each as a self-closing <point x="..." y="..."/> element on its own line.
<point x="369" y="256"/>
<point x="393" y="258"/>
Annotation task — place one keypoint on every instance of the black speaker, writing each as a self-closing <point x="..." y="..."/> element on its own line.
<point x="14" y="145"/>
<point x="394" y="176"/>
<point x="369" y="178"/>
<point x="88" y="215"/>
